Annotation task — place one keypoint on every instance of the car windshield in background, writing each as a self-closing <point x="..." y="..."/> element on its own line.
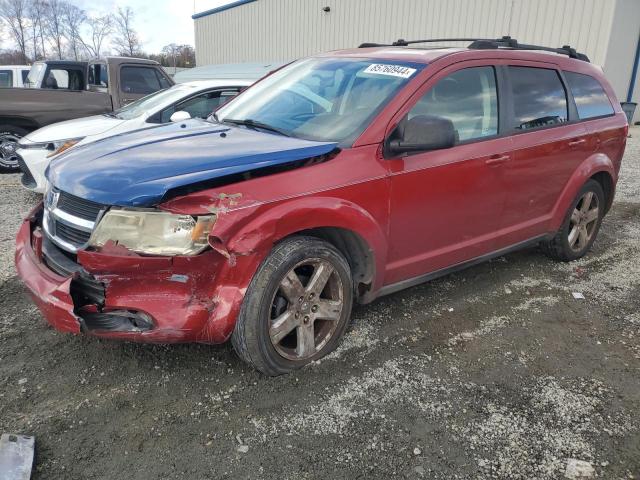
<point x="323" y="99"/>
<point x="151" y="103"/>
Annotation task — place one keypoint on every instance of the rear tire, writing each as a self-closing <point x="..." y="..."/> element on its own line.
<point x="580" y="226"/>
<point x="296" y="308"/>
<point x="9" y="136"/>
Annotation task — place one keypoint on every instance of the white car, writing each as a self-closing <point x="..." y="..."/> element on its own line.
<point x="180" y="102"/>
<point x="13" y="75"/>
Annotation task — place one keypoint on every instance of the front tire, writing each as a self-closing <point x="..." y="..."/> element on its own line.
<point x="9" y="137"/>
<point x="296" y="308"/>
<point x="580" y="226"/>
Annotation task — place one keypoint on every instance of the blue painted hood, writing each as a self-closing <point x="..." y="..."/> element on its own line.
<point x="138" y="168"/>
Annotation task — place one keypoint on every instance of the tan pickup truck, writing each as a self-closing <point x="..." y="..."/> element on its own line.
<point x="67" y="90"/>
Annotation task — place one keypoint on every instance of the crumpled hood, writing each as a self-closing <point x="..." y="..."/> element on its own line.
<point x="138" y="168"/>
<point x="79" y="127"/>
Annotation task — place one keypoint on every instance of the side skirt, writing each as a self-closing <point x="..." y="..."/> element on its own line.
<point x="411" y="282"/>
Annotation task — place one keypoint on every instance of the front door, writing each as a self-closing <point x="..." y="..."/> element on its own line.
<point x="446" y="204"/>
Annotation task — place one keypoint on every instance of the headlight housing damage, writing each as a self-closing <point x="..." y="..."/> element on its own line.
<point x="153" y="232"/>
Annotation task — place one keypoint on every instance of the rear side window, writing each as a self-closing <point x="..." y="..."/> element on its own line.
<point x="6" y="78"/>
<point x="591" y="99"/>
<point x="539" y="98"/>
<point x="64" y="79"/>
<point x="468" y="98"/>
<point x="25" y="74"/>
<point x="139" y="80"/>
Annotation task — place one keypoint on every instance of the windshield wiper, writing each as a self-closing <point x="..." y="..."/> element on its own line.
<point x="255" y="124"/>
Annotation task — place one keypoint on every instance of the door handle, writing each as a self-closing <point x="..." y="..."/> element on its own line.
<point x="496" y="160"/>
<point x="577" y="143"/>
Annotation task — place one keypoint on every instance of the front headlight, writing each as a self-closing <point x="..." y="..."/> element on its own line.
<point x="55" y="148"/>
<point x="60" y="146"/>
<point x="153" y="232"/>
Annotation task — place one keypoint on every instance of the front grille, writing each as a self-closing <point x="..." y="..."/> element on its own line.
<point x="70" y="234"/>
<point x="79" y="207"/>
<point x="70" y="220"/>
<point x="27" y="178"/>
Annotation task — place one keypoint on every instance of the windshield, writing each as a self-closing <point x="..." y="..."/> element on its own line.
<point x="151" y="103"/>
<point x="34" y="73"/>
<point x="324" y="99"/>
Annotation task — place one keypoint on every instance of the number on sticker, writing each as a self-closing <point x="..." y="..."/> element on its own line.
<point x="391" y="70"/>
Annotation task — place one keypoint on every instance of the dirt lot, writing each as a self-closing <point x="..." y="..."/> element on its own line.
<point x="495" y="372"/>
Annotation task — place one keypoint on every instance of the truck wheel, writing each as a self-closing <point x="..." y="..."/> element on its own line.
<point x="9" y="136"/>
<point x="580" y="226"/>
<point x="296" y="308"/>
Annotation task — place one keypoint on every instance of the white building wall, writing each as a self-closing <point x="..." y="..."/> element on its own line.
<point x="282" y="30"/>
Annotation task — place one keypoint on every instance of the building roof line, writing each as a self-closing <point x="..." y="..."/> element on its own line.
<point x="228" y="6"/>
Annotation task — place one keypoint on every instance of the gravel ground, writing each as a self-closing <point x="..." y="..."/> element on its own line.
<point x="494" y="372"/>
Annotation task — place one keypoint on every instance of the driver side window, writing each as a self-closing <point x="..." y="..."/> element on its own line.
<point x="468" y="98"/>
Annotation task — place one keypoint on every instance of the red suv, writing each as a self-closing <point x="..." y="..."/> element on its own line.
<point x="336" y="179"/>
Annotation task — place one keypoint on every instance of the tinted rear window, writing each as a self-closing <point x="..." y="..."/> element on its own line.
<point x="590" y="98"/>
<point x="539" y="97"/>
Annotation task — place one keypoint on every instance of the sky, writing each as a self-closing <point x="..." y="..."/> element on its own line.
<point x="158" y="22"/>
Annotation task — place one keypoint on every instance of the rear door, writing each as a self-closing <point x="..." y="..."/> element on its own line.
<point x="446" y="204"/>
<point x="548" y="142"/>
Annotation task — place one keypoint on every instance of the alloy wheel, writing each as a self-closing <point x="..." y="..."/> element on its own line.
<point x="306" y="309"/>
<point x="584" y="220"/>
<point x="8" y="155"/>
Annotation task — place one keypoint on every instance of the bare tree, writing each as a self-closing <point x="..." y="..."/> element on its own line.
<point x="99" y="28"/>
<point x="14" y="13"/>
<point x="74" y="19"/>
<point x="174" y="55"/>
<point x="36" y="13"/>
<point x="54" y="25"/>
<point x="126" y="39"/>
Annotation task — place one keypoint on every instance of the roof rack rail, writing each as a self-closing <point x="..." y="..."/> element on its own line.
<point x="486" y="44"/>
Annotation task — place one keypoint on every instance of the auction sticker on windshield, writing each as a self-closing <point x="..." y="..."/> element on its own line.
<point x="391" y="70"/>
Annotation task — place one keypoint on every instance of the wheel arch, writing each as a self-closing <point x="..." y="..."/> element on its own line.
<point x="605" y="180"/>
<point x="357" y="252"/>
<point x="598" y="167"/>
<point x="345" y="225"/>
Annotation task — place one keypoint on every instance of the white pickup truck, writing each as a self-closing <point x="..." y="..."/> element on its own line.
<point x="13" y="75"/>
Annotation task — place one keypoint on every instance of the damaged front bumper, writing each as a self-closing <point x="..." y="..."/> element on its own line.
<point x="126" y="296"/>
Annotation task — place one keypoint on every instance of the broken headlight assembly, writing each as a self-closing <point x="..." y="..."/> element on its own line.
<point x="153" y="232"/>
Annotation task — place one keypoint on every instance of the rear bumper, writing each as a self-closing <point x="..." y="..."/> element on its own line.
<point x="128" y="297"/>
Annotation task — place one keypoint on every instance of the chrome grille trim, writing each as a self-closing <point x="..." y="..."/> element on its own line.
<point x="67" y="229"/>
<point x="72" y="220"/>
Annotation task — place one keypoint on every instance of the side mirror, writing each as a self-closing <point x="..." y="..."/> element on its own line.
<point x="179" y="116"/>
<point x="422" y="133"/>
